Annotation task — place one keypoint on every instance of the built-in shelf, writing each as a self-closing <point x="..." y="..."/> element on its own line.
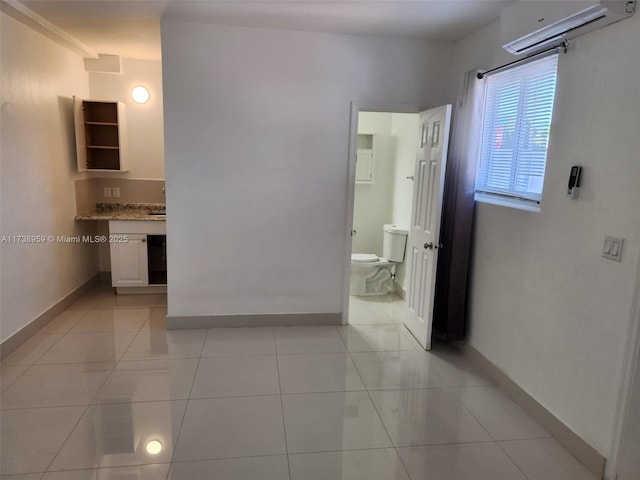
<point x="100" y="135"/>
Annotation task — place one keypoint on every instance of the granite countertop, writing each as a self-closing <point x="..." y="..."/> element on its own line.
<point x="125" y="211"/>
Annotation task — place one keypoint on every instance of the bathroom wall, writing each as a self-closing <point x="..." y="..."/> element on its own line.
<point x="389" y="200"/>
<point x="372" y="201"/>
<point x="405" y="133"/>
<point x="38" y="168"/>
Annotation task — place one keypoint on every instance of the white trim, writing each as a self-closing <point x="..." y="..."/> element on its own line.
<point x="118" y="178"/>
<point x="629" y="367"/>
<point x="150" y="290"/>
<point x="590" y="458"/>
<point x="252" y="320"/>
<point x="503" y="201"/>
<point x="25" y="332"/>
<point x="356" y="108"/>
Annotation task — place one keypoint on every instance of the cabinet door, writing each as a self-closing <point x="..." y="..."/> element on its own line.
<point x="81" y="140"/>
<point x="364" y="165"/>
<point x="123" y="137"/>
<point x="129" y="262"/>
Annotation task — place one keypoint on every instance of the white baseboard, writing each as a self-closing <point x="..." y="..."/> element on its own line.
<point x="593" y="460"/>
<point x="398" y="290"/>
<point x="25" y="333"/>
<point x="151" y="289"/>
<point x="264" y="320"/>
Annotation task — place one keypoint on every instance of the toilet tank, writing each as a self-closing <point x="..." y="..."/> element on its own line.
<point x="394" y="243"/>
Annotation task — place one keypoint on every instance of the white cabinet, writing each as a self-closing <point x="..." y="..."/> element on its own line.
<point x="129" y="262"/>
<point x="365" y="157"/>
<point x="101" y="135"/>
<point x="129" y="248"/>
<point x="364" y="166"/>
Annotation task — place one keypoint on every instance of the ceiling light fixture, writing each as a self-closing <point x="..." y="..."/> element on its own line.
<point x="154" y="447"/>
<point x="140" y="94"/>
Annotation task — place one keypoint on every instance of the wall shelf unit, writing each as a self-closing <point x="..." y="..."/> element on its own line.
<point x="101" y="140"/>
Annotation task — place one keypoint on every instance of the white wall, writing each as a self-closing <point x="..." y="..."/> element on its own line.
<point x="39" y="79"/>
<point x="144" y="121"/>
<point x="405" y="131"/>
<point x="545" y="307"/>
<point x="372" y="201"/>
<point x="256" y="138"/>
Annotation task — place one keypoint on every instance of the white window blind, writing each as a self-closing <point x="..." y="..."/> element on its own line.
<point x="515" y="130"/>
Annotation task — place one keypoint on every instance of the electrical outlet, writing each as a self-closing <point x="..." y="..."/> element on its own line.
<point x="116" y="192"/>
<point x="107" y="192"/>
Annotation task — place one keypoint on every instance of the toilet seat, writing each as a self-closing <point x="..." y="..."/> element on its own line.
<point x="368" y="261"/>
<point x="364" y="258"/>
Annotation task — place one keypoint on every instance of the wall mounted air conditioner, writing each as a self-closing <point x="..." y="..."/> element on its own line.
<point x="528" y="26"/>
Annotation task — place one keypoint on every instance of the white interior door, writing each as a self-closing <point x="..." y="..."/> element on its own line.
<point x="424" y="234"/>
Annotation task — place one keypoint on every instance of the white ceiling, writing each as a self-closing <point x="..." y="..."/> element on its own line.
<point x="132" y="28"/>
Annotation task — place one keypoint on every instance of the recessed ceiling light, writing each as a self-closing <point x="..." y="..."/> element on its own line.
<point x="140" y="94"/>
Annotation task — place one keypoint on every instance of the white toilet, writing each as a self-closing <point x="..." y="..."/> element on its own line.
<point x="370" y="274"/>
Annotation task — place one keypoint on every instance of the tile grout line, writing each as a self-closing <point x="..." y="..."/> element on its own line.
<point x="97" y="469"/>
<point x="293" y="394"/>
<point x="116" y="363"/>
<point x="284" y="425"/>
<point x="189" y="398"/>
<point x="494" y="440"/>
<point x="53" y="459"/>
<point x="512" y="460"/>
<point x="5" y="388"/>
<point x="374" y="407"/>
<point x="86" y="409"/>
<point x="188" y="401"/>
<point x="396" y="448"/>
<point x="62" y="335"/>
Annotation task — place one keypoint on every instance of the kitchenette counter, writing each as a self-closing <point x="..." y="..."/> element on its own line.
<point x="126" y="211"/>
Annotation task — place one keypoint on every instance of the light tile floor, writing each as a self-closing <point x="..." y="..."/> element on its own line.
<point x="90" y="395"/>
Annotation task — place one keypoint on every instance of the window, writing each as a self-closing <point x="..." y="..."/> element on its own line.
<point x="515" y="134"/>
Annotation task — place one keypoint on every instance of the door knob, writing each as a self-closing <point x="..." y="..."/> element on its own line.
<point x="428" y="245"/>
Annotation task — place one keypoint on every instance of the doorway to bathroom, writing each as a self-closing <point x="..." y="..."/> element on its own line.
<point x="386" y="144"/>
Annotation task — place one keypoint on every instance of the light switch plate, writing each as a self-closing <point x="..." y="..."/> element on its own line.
<point x="107" y="192"/>
<point x="612" y="248"/>
<point x="116" y="192"/>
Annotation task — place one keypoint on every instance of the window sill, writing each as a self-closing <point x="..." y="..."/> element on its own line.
<point x="519" y="204"/>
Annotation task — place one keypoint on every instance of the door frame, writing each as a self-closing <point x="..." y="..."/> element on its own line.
<point x="631" y="364"/>
<point x="356" y="108"/>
